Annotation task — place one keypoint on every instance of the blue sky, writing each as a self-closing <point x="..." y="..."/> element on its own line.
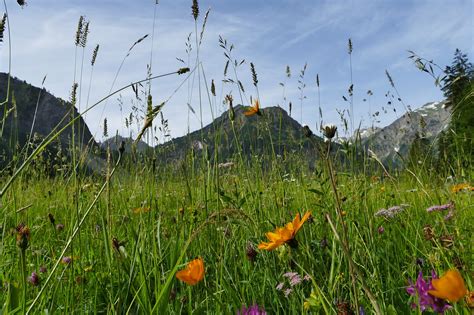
<point x="271" y="34"/>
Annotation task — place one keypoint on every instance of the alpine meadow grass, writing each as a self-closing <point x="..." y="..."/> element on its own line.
<point x="262" y="222"/>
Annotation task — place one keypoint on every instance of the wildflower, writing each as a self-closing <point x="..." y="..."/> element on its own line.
<point x="329" y="130"/>
<point x="22" y="236"/>
<point x="229" y="99"/>
<point x="428" y="232"/>
<point x="66" y="260"/>
<point x="449" y="286"/>
<point x="447" y="240"/>
<point x="460" y="187"/>
<point x="361" y="310"/>
<point x="391" y="212"/>
<point x="344" y="308"/>
<point x="141" y="210"/>
<point x="34" y="279"/>
<point x="288" y="292"/>
<point x="313" y="302"/>
<point x="193" y="273"/>
<point x="293" y="277"/>
<point x="420" y="289"/>
<point x="284" y="234"/>
<point x="59" y="227"/>
<point x="449" y="216"/>
<point x="252" y="310"/>
<point x="447" y="206"/>
<point x="380" y="230"/>
<point x="280" y="286"/>
<point x="254" y="110"/>
<point x="250" y="252"/>
<point x="470" y="299"/>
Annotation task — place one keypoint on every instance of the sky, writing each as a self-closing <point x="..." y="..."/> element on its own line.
<point x="270" y="34"/>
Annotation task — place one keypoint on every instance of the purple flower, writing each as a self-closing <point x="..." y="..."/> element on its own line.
<point x="293" y="277"/>
<point x="279" y="287"/>
<point x="252" y="310"/>
<point x="66" y="260"/>
<point x="295" y="280"/>
<point x="447" y="206"/>
<point x="420" y="290"/>
<point x="449" y="215"/>
<point x="391" y="212"/>
<point x="361" y="310"/>
<point x="34" y="279"/>
<point x="380" y="230"/>
<point x="290" y="275"/>
<point x="288" y="291"/>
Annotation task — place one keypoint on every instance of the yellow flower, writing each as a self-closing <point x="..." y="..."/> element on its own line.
<point x="254" y="110"/>
<point x="457" y="188"/>
<point x="193" y="273"/>
<point x="449" y="287"/>
<point x="141" y="210"/>
<point x="284" y="234"/>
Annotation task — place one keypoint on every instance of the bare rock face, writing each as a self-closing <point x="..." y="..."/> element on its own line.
<point x="425" y="122"/>
<point x="51" y="112"/>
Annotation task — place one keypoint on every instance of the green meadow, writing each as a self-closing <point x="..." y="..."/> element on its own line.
<point x="111" y="237"/>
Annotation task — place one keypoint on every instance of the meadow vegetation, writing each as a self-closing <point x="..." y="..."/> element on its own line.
<point x="257" y="231"/>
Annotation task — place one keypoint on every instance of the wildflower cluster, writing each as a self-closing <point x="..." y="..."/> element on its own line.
<point x="435" y="293"/>
<point x="291" y="280"/>
<point x="252" y="310"/>
<point x="391" y="212"/>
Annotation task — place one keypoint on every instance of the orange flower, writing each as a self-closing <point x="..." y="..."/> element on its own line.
<point x="193" y="273"/>
<point x="255" y="109"/>
<point x="284" y="234"/>
<point x="449" y="287"/>
<point x="457" y="188"/>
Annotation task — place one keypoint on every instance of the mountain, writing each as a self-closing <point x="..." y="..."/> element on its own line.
<point x="425" y="122"/>
<point x="19" y="114"/>
<point x="250" y="136"/>
<point x="115" y="142"/>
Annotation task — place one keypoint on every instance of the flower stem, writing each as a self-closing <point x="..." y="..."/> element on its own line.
<point x="23" y="279"/>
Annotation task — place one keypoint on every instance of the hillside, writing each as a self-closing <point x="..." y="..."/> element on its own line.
<point x="255" y="136"/>
<point x="20" y="113"/>
<point x="115" y="142"/>
<point x="425" y="122"/>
